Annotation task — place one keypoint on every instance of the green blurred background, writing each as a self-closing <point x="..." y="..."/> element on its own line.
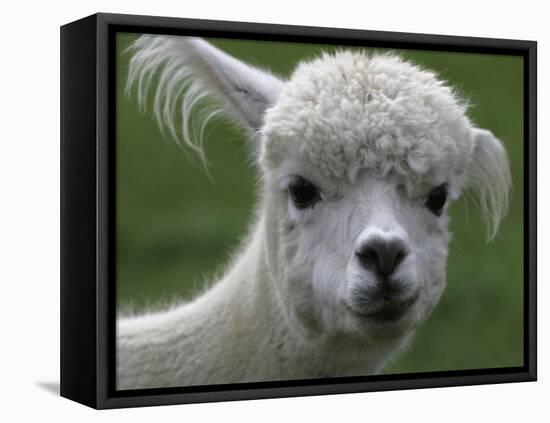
<point x="176" y="226"/>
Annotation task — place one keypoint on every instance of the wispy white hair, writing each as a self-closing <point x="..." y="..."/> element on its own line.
<point x="192" y="72"/>
<point x="489" y="177"/>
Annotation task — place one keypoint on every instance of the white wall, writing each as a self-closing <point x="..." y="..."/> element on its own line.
<point x="29" y="168"/>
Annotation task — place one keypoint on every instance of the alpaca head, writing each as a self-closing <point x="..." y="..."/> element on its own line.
<point x="360" y="157"/>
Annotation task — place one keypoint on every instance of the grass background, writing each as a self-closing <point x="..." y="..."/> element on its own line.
<point x="176" y="226"/>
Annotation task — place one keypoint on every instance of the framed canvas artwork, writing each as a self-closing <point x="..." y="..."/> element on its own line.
<point x="254" y="211"/>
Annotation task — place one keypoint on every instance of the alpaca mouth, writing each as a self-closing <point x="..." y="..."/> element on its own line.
<point x="386" y="310"/>
<point x="391" y="311"/>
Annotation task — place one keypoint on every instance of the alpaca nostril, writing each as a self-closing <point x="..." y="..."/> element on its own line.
<point x="381" y="255"/>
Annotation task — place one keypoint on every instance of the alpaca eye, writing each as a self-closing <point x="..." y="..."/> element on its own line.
<point x="437" y="199"/>
<point x="303" y="193"/>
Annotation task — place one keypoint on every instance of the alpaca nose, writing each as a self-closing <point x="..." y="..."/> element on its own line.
<point x="381" y="255"/>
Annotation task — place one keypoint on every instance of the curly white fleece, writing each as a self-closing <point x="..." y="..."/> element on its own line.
<point x="351" y="111"/>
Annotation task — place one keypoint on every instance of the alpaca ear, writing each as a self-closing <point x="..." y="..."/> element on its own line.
<point x="489" y="176"/>
<point x="191" y="70"/>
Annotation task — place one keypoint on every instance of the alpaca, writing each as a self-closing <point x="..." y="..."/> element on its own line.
<point x="359" y="157"/>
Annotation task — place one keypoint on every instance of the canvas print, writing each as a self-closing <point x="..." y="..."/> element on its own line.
<point x="291" y="211"/>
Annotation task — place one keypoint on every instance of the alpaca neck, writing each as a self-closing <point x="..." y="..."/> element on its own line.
<point x="223" y="336"/>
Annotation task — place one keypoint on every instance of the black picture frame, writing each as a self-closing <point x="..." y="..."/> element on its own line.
<point x="88" y="198"/>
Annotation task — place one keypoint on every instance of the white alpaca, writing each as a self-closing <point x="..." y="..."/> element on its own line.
<point x="359" y="157"/>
